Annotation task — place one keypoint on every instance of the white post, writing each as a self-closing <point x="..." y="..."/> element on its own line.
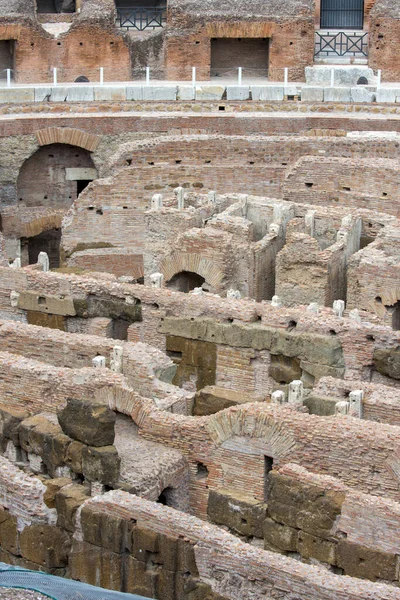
<point x="378" y="82"/>
<point x="55" y="75"/>
<point x="147" y="75"/>
<point x="101" y="75"/>
<point x="194" y="76"/>
<point x="8" y="77"/>
<point x="239" y="75"/>
<point x="332" y="77"/>
<point x="296" y="392"/>
<point x="285" y="76"/>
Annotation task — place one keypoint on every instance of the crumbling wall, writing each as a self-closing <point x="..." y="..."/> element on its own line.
<point x="362" y="183"/>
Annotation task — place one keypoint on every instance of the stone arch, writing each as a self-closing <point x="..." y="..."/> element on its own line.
<point x="179" y="262"/>
<point x="68" y="135"/>
<point x="268" y="434"/>
<point x="54" y="176"/>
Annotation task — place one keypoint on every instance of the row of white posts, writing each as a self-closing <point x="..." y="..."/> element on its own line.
<point x="239" y="77"/>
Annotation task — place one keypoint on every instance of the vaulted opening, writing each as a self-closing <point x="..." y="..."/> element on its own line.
<point x="54" y="176"/>
<point x="185" y="281"/>
<point x="47" y="241"/>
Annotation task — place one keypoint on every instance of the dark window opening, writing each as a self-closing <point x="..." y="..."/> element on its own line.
<point x="7" y="58"/>
<point x="175" y="356"/>
<point x="55" y="6"/>
<point x="395" y="311"/>
<point x="185" y="281"/>
<point x="48" y="241"/>
<point x="81" y="184"/>
<point x="120" y="329"/>
<point x="165" y="497"/>
<point x="347" y="14"/>
<point x="202" y="471"/>
<point x="308" y="184"/>
<point x="268" y="466"/>
<point x="81" y="78"/>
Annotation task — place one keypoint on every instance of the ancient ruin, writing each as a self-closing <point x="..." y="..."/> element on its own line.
<point x="200" y="298"/>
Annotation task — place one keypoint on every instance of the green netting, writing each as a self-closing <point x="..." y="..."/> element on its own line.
<point x="56" y="587"/>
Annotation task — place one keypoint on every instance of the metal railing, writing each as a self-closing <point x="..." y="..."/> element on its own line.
<point x="341" y="43"/>
<point x="141" y="18"/>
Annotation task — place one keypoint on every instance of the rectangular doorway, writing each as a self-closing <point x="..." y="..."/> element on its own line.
<point x="227" y="54"/>
<point x="7" y="53"/>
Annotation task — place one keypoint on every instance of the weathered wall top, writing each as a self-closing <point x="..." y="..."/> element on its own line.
<point x="389" y="9"/>
<point x="245" y="9"/>
<point x="23" y="7"/>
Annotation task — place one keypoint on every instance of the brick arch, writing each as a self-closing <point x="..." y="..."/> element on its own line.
<point x="194" y="263"/>
<point x="253" y="427"/>
<point x="68" y="135"/>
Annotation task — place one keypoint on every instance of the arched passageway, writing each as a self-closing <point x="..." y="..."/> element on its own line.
<point x="54" y="176"/>
<point x="185" y="281"/>
<point x="47" y="241"/>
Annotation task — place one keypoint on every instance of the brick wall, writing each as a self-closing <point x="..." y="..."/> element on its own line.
<point x="371" y="184"/>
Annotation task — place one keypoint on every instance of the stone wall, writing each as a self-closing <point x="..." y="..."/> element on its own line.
<point x="125" y="543"/>
<point x="316" y="519"/>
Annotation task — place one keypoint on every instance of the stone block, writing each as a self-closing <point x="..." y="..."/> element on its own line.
<point x="186" y="92"/>
<point x="73" y="458"/>
<point x="211" y="399"/>
<point x="40" y="436"/>
<point x="10" y="419"/>
<point x="108" y="531"/>
<point x="159" y="92"/>
<point x="96" y="566"/>
<point x="237" y="92"/>
<point x="303" y="506"/>
<point x="134" y="92"/>
<point x="210" y="92"/>
<point x="68" y="500"/>
<point x="59" y="94"/>
<point x="144" y="540"/>
<point x="311" y="546"/>
<point x="42" y="94"/>
<point x="337" y="94"/>
<point x="280" y="536"/>
<point x="186" y="558"/>
<point x="320" y="405"/>
<point x="242" y="514"/>
<point x="344" y="75"/>
<point x="387" y="361"/>
<point x="139" y="579"/>
<point x="46" y="545"/>
<point x="359" y="561"/>
<point x="80" y="94"/>
<point x="110" y="93"/>
<point x="46" y="304"/>
<point x="387" y="94"/>
<point x="9" y="535"/>
<point x="362" y="94"/>
<point x="312" y="94"/>
<point x="16" y="95"/>
<point x="267" y="92"/>
<point x="101" y="464"/>
<point x="88" y="421"/>
<point x="53" y="486"/>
